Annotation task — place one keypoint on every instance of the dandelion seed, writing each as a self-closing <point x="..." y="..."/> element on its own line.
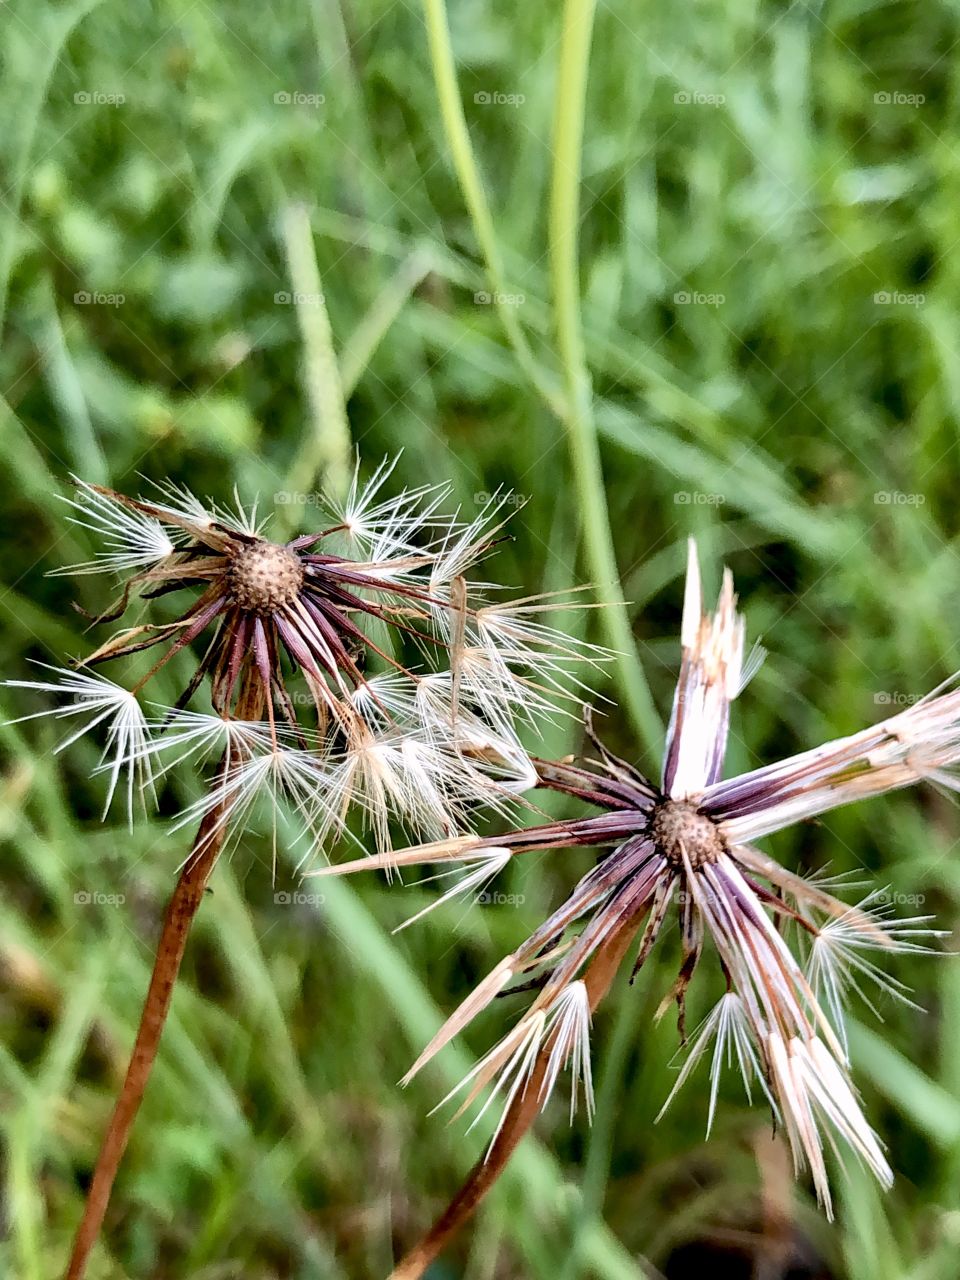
<point x="132" y="540"/>
<point x="384" y="528"/>
<point x="474" y="881"/>
<point x="267" y="780"/>
<point x="510" y="1065"/>
<point x="569" y="1020"/>
<point x="728" y="1027"/>
<point x="839" y="961"/>
<point x="102" y="703"/>
<point x="181" y="735"/>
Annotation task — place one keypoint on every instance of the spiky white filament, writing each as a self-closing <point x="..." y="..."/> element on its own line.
<point x="381" y="529"/>
<point x="179" y="735"/>
<point x="814" y="1092"/>
<point x="510" y="1064"/>
<point x="728" y="1026"/>
<point x="562" y="1028"/>
<point x="266" y="781"/>
<point x="711" y="676"/>
<point x="461" y="546"/>
<point x="569" y="1021"/>
<point x="839" y="960"/>
<point x="103" y="703"/>
<point x="132" y="540"/>
<point x="806" y="1078"/>
<point x="470" y="884"/>
<point x="922" y="742"/>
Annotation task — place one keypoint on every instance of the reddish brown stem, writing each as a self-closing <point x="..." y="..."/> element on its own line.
<point x="181" y="910"/>
<point x="518" y="1119"/>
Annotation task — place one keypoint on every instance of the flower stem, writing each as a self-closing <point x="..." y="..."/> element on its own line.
<point x="326" y="456"/>
<point x="518" y="1118"/>
<point x="579" y="418"/>
<point x="183" y="906"/>
<point x="468" y="174"/>
<point x="571" y="404"/>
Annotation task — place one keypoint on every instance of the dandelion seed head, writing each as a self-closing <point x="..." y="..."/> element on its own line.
<point x="314" y="637"/>
<point x="687" y="847"/>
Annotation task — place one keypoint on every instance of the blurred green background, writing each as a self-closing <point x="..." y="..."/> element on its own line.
<point x="754" y="311"/>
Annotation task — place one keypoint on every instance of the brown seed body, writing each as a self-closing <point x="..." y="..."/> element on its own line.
<point x="264" y="577"/>
<point x="680" y="828"/>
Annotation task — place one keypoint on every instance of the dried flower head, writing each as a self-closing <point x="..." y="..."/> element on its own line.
<point x="306" y="648"/>
<point x="316" y="708"/>
<point x="686" y="845"/>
